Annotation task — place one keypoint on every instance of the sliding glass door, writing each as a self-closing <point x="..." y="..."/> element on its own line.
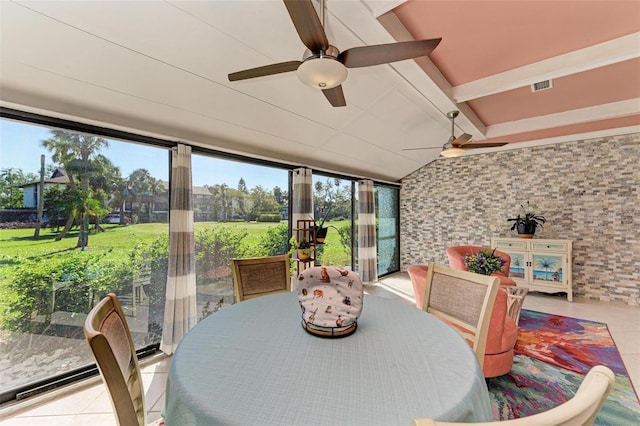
<point x="387" y="232"/>
<point x="103" y="228"/>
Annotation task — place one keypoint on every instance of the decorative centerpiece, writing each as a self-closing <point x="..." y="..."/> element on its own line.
<point x="526" y="222"/>
<point x="331" y="300"/>
<point x="485" y="262"/>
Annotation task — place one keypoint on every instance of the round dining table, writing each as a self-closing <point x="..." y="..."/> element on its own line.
<point x="254" y="364"/>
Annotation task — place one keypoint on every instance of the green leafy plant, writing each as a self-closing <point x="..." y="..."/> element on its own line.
<point x="320" y="230"/>
<point x="274" y="240"/>
<point x="302" y="248"/>
<point x="527" y="218"/>
<point x="485" y="262"/>
<point x="304" y="244"/>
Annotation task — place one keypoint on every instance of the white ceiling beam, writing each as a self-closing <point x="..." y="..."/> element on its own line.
<point x="599" y="55"/>
<point x="380" y="7"/>
<point x="566" y="118"/>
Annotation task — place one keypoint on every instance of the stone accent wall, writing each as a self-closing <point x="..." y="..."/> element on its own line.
<point x="588" y="190"/>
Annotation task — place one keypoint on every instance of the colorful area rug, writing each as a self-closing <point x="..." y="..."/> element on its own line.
<point x="552" y="356"/>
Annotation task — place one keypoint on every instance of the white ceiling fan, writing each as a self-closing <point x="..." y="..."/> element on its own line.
<point x="456" y="146"/>
<point x="323" y="66"/>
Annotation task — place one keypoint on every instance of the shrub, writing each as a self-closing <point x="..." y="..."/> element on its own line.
<point x="275" y="241"/>
<point x="269" y="217"/>
<point x="215" y="247"/>
<point x="152" y="259"/>
<point x="76" y="280"/>
<point x="345" y="238"/>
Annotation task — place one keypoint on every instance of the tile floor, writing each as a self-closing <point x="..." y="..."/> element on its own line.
<point x="87" y="403"/>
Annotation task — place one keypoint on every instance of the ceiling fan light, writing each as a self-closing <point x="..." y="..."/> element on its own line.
<point x="451" y="152"/>
<point x="323" y="72"/>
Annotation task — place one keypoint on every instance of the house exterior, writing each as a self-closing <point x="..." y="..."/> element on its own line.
<point x="31" y="195"/>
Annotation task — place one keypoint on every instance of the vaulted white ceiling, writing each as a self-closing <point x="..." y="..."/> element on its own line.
<point x="160" y="68"/>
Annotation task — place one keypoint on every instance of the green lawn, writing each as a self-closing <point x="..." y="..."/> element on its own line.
<point x="20" y="242"/>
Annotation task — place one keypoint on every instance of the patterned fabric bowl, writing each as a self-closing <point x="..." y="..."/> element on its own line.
<point x="331" y="300"/>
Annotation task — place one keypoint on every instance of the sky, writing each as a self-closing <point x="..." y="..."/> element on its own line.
<point x="20" y="148"/>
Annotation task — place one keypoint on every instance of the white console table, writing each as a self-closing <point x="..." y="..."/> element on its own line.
<point x="539" y="264"/>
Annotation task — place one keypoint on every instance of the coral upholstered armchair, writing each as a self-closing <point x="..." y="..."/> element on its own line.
<point x="503" y="326"/>
<point x="418" y="275"/>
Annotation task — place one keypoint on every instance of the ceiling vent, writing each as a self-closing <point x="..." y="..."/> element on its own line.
<point x="541" y="85"/>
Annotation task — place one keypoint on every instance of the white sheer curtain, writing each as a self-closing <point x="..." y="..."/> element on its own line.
<point x="367" y="252"/>
<point x="180" y="312"/>
<point x="302" y="196"/>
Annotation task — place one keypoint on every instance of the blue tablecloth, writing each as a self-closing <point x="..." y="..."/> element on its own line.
<point x="252" y="363"/>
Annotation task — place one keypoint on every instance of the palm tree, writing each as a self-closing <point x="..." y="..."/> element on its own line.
<point x="516" y="263"/>
<point x="545" y="263"/>
<point x="119" y="197"/>
<point x="74" y="151"/>
<point x="155" y="188"/>
<point x="141" y="189"/>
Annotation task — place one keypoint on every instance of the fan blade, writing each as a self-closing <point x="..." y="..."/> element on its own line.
<point x="384" y="53"/>
<point x="417" y="149"/>
<point x="307" y="24"/>
<point x="484" y="145"/>
<point x="265" y="70"/>
<point x="461" y="140"/>
<point x="335" y="96"/>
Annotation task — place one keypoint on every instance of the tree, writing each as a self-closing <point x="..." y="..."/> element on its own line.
<point x="261" y="201"/>
<point x="59" y="206"/>
<point x="243" y="192"/>
<point x="10" y="193"/>
<point x="141" y="190"/>
<point x="282" y="197"/>
<point x="330" y="195"/>
<point x="74" y="151"/>
<point x="118" y="197"/>
<point x="221" y="201"/>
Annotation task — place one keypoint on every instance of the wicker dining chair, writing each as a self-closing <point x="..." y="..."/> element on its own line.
<point x="110" y="341"/>
<point x="259" y="276"/>
<point x="580" y="410"/>
<point x="464" y="300"/>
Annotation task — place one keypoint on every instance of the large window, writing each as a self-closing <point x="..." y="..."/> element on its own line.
<point x="101" y="198"/>
<point x="104" y="228"/>
<point x="241" y="210"/>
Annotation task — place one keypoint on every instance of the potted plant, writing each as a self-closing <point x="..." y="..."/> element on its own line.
<point x="485" y="262"/>
<point x="319" y="230"/>
<point x="303" y="249"/>
<point x="527" y="222"/>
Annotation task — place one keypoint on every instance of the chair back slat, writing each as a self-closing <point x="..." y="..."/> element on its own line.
<point x="259" y="276"/>
<point x="457" y="297"/>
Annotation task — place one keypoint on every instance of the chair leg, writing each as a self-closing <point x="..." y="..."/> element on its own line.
<point x="515" y="298"/>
